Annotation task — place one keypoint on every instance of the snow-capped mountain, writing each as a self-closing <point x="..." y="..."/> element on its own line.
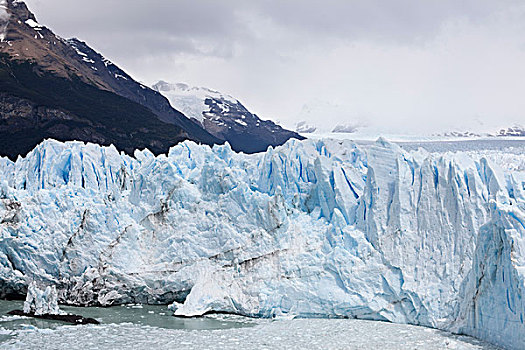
<point x="345" y="128"/>
<point x="192" y="100"/>
<point x="363" y="132"/>
<point x="320" y="116"/>
<point x="312" y="228"/>
<point x="336" y="127"/>
<point x="516" y="131"/>
<point x="305" y="128"/>
<point x="52" y="87"/>
<point x="225" y="117"/>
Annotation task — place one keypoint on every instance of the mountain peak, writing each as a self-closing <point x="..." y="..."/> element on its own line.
<point x="224" y="117"/>
<point x="183" y="90"/>
<point x="18" y="10"/>
<point x="63" y="89"/>
<point x="24" y="39"/>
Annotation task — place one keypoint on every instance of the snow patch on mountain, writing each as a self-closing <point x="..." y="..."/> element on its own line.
<point x="33" y="24"/>
<point x="314" y="228"/>
<point x="191" y="101"/>
<point x="4" y="20"/>
<point x="3" y="9"/>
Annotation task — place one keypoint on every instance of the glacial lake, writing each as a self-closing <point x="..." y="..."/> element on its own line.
<point x="153" y="327"/>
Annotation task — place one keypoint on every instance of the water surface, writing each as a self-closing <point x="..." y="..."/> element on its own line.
<point x="153" y="327"/>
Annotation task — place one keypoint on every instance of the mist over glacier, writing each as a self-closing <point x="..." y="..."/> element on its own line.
<point x="314" y="228"/>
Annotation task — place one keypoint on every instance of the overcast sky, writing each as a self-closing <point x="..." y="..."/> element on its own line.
<point x="404" y="64"/>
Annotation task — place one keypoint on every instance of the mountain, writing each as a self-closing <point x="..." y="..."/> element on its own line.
<point x="345" y="128"/>
<point x="305" y="128"/>
<point x="313" y="228"/>
<point x="515" y="131"/>
<point x="225" y="117"/>
<point x="56" y="88"/>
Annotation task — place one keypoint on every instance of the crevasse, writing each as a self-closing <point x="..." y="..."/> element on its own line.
<point x="312" y="228"/>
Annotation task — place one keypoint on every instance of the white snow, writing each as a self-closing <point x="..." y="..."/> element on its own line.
<point x="120" y="76"/>
<point x="314" y="228"/>
<point x="191" y="100"/>
<point x="4" y="19"/>
<point x="3" y="9"/>
<point x="241" y="122"/>
<point x="33" y="24"/>
<point x="80" y="53"/>
<point x="85" y="58"/>
<point x="106" y="62"/>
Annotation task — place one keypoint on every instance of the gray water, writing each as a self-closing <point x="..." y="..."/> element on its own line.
<point x="153" y="327"/>
<point x="157" y="316"/>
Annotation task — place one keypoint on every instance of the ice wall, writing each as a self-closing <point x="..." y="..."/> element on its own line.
<point x="311" y="228"/>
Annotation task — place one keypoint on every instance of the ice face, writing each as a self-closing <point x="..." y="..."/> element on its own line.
<point x="311" y="228"/>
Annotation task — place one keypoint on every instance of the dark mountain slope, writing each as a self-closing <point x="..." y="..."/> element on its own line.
<point x="124" y="85"/>
<point x="37" y="105"/>
<point x="69" y="96"/>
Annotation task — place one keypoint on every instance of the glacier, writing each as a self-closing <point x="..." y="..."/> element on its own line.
<point x="313" y="228"/>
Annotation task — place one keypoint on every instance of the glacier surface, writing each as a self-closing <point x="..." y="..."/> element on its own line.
<point x="314" y="228"/>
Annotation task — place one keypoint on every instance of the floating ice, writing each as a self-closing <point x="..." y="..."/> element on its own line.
<point x="285" y="334"/>
<point x="41" y="302"/>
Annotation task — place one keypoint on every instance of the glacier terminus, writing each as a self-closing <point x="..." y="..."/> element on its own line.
<point x="314" y="228"/>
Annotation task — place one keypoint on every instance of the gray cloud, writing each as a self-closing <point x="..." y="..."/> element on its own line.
<point x="397" y="21"/>
<point x="133" y="26"/>
<point x="404" y="63"/>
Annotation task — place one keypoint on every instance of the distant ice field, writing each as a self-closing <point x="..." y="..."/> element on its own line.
<point x="406" y="138"/>
<point x="508" y="145"/>
<point x="506" y="152"/>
